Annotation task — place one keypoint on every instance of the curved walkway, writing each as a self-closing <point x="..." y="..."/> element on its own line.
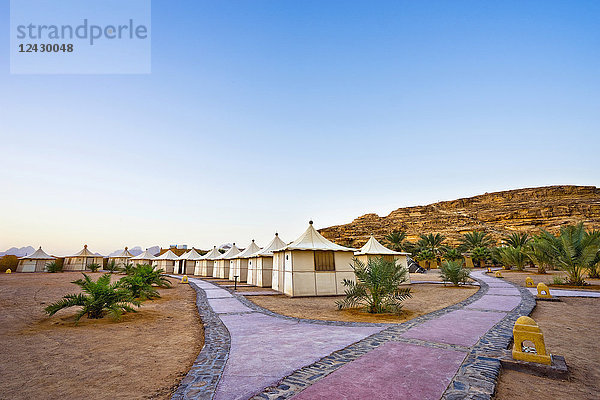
<point x="451" y="353"/>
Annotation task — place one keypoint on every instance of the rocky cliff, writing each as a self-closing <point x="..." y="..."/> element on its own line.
<point x="499" y="213"/>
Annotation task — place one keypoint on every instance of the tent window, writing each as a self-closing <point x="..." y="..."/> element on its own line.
<point x="324" y="261"/>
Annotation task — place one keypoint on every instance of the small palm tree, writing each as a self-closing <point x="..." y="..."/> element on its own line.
<point x="98" y="299"/>
<point x="127" y="268"/>
<point x="516" y="240"/>
<point x="395" y="240"/>
<point x="452" y="254"/>
<point x="513" y="257"/>
<point x="572" y="251"/>
<point x="471" y="240"/>
<point x="481" y="255"/>
<point x="427" y="256"/>
<point x="453" y="271"/>
<point x="433" y="243"/>
<point x="377" y="286"/>
<point x="594" y="267"/>
<point x="112" y="266"/>
<point x="53" y="266"/>
<point x="536" y="253"/>
<point x="94" y="267"/>
<point x="138" y="287"/>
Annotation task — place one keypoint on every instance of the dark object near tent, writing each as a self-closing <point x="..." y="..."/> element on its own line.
<point x="414" y="267"/>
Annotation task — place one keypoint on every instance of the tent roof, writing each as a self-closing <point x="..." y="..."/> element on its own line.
<point x="374" y="247"/>
<point x="124" y="254"/>
<point x="146" y="255"/>
<point x="251" y="249"/>
<point x="191" y="255"/>
<point x="274" y="244"/>
<point x="313" y="240"/>
<point x="231" y="253"/>
<point x="211" y="255"/>
<point x="39" y="254"/>
<point x="167" y="255"/>
<point x="85" y="252"/>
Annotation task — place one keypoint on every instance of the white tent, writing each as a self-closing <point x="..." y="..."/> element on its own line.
<point x="145" y="258"/>
<point x="312" y="266"/>
<point x="121" y="258"/>
<point x="187" y="262"/>
<point x="239" y="264"/>
<point x="166" y="261"/>
<point x="221" y="263"/>
<point x="260" y="264"/>
<point x="375" y="249"/>
<point x="204" y="266"/>
<point x="35" y="262"/>
<point x="82" y="260"/>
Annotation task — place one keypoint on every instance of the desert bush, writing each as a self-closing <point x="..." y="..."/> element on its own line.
<point x="557" y="280"/>
<point x="94" y="267"/>
<point x="513" y="257"/>
<point x="112" y="266"/>
<point x="53" y="266"/>
<point x="572" y="251"/>
<point x="98" y="299"/>
<point x="128" y="268"/>
<point x="454" y="272"/>
<point x="377" y="286"/>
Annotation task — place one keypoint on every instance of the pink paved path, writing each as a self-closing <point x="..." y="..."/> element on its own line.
<point x="397" y="370"/>
<point x="265" y="349"/>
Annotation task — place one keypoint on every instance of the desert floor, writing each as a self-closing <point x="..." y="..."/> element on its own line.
<point x="571" y="328"/>
<point x="145" y="355"/>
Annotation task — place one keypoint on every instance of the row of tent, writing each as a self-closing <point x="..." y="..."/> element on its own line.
<point x="309" y="266"/>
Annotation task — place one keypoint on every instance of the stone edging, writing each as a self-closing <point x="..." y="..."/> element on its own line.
<point x="202" y="379"/>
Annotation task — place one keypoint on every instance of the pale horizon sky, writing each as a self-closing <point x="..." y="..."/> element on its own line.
<point x="261" y="115"/>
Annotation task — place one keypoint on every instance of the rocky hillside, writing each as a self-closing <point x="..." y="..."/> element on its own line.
<point x="521" y="210"/>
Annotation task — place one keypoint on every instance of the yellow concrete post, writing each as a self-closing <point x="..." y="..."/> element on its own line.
<point x="526" y="329"/>
<point x="543" y="291"/>
<point x="498" y="274"/>
<point x="489" y="269"/>
<point x="8" y="271"/>
<point x="184" y="279"/>
<point x="529" y="282"/>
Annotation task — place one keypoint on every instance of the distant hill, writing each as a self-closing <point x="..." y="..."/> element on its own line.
<point x="499" y="213"/>
<point x="19" y="252"/>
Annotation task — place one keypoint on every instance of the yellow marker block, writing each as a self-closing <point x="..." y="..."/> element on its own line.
<point x="498" y="274"/>
<point x="526" y="329"/>
<point x="489" y="269"/>
<point x="528" y="282"/>
<point x="184" y="279"/>
<point x="8" y="271"/>
<point x="543" y="291"/>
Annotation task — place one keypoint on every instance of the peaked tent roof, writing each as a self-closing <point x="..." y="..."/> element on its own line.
<point x="231" y="253"/>
<point x="146" y="255"/>
<point x="124" y="254"/>
<point x="191" y="255"/>
<point x="374" y="247"/>
<point x="313" y="240"/>
<point x="211" y="255"/>
<point x="167" y="255"/>
<point x="39" y="254"/>
<point x="274" y="244"/>
<point x="85" y="252"/>
<point x="251" y="249"/>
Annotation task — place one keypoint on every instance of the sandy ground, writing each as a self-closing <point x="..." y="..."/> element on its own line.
<point x="426" y="298"/>
<point x="143" y="356"/>
<point x="518" y="278"/>
<point x="571" y="328"/>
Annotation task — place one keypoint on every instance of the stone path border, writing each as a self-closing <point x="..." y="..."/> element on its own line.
<point x="475" y="379"/>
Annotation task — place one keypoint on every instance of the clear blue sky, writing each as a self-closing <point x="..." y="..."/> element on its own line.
<point x="260" y="115"/>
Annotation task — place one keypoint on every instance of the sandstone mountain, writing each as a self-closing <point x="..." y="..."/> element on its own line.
<point x="499" y="213"/>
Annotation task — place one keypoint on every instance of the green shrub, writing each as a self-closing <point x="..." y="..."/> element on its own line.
<point x="53" y="266"/>
<point x="377" y="286"/>
<point x="454" y="272"/>
<point x="98" y="299"/>
<point x="112" y="266"/>
<point x="557" y="280"/>
<point x="94" y="267"/>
